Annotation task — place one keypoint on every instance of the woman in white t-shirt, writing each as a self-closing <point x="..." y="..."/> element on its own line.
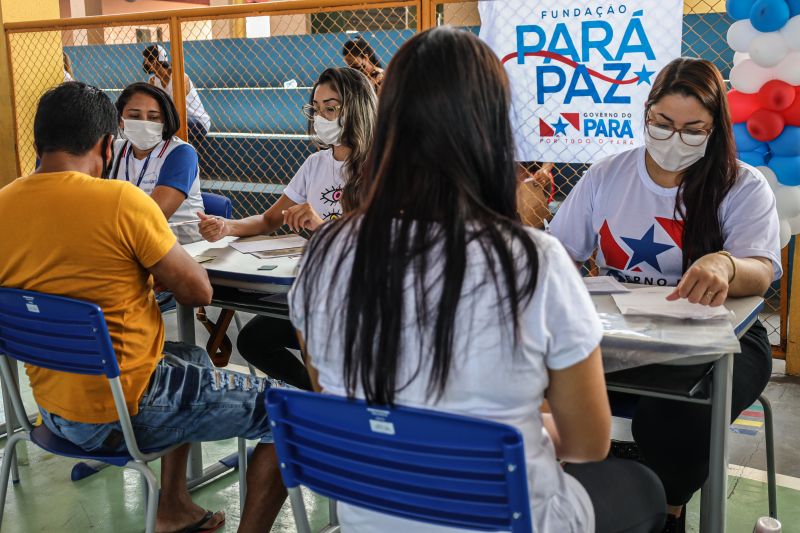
<point x="341" y="115"/>
<point x="683" y="212"/>
<point x="434" y="294"/>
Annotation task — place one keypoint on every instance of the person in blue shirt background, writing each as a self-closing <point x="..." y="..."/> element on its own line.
<point x="150" y="156"/>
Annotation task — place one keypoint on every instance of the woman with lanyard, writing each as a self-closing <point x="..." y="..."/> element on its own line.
<point x="682" y="211"/>
<point x="341" y="115"/>
<point x="156" y="64"/>
<point x="152" y="158"/>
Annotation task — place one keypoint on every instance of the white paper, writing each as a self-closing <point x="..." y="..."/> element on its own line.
<point x="604" y="285"/>
<point x="651" y="301"/>
<point x="267" y="244"/>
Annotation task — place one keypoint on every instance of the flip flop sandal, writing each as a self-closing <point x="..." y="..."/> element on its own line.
<point x="219" y="345"/>
<point x="197" y="526"/>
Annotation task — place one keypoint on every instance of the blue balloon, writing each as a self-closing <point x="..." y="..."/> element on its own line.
<point x="769" y="15"/>
<point x="787" y="143"/>
<point x="794" y="7"/>
<point x="744" y="141"/>
<point x="739" y="9"/>
<point x="756" y="159"/>
<point x="786" y="169"/>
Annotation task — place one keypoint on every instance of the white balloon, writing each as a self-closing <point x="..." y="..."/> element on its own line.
<point x="768" y="49"/>
<point x="770" y="176"/>
<point x="794" y="224"/>
<point x="741" y="34"/>
<point x="787" y="198"/>
<point x="786" y="233"/>
<point x="749" y="77"/>
<point x="738" y="57"/>
<point x="791" y="32"/>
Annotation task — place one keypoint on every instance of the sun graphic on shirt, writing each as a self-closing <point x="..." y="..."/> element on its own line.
<point x="331" y="215"/>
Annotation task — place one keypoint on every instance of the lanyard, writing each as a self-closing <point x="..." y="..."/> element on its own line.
<point x="128" y="165"/>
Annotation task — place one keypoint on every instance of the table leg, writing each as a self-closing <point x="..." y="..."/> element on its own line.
<point x="195" y="473"/>
<point x="186" y="335"/>
<point x="715" y="490"/>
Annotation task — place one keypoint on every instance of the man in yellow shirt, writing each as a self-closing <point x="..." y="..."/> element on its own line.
<point x="66" y="232"/>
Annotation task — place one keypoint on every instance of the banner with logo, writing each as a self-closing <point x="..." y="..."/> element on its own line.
<point x="580" y="72"/>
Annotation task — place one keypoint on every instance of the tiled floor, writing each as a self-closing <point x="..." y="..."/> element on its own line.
<point x="46" y="500"/>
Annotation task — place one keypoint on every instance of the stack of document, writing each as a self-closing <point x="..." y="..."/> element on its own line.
<point x="604" y="285"/>
<point x="652" y="301"/>
<point x="269" y="247"/>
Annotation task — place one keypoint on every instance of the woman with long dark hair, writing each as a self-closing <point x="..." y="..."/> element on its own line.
<point x="432" y="293"/>
<point x="341" y="118"/>
<point x="358" y="54"/>
<point x="682" y="211"/>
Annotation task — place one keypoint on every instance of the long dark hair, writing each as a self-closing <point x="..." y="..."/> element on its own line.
<point x="169" y="113"/>
<point x="360" y="47"/>
<point x="441" y="177"/>
<point x="357" y="119"/>
<point x="704" y="184"/>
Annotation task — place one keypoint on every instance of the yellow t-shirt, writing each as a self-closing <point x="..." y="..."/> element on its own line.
<point x="73" y="235"/>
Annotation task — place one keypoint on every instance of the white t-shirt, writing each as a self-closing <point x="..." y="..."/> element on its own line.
<point x="171" y="163"/>
<point x="194" y="106"/>
<point x="319" y="182"/>
<point x="489" y="378"/>
<point x="618" y="210"/>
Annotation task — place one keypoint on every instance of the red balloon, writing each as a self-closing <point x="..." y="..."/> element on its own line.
<point x="776" y="95"/>
<point x="792" y="114"/>
<point x="742" y="105"/>
<point x="765" y="125"/>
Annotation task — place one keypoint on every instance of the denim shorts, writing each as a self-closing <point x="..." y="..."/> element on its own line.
<point x="188" y="400"/>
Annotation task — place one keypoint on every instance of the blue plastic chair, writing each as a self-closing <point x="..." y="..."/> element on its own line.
<point x="417" y="464"/>
<point x="217" y="205"/>
<point x="69" y="336"/>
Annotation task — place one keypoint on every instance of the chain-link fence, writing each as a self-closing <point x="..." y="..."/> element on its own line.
<point x="253" y="86"/>
<point x="253" y="73"/>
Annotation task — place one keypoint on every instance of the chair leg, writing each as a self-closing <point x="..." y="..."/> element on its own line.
<point x="242" y="472"/>
<point x="151" y="502"/>
<point x="299" y="510"/>
<point x="770" y="442"/>
<point x="9" y="459"/>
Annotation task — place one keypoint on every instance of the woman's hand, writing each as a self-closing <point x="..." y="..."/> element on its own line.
<point x="706" y="281"/>
<point x="302" y="216"/>
<point x="213" y="228"/>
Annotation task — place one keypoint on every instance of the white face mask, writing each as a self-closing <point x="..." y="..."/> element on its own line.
<point x="328" y="131"/>
<point x="143" y="134"/>
<point x="674" y="155"/>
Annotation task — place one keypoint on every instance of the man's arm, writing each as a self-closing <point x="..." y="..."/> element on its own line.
<point x="183" y="276"/>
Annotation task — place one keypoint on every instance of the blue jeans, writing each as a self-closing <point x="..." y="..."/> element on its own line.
<point x="188" y="400"/>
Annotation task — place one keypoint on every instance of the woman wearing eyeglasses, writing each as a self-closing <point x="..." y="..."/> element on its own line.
<point x="682" y="211"/>
<point x="341" y="115"/>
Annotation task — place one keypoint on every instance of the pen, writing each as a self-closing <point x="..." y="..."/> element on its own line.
<point x="184" y="223"/>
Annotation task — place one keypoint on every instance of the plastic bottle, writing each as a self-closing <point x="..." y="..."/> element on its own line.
<point x="765" y="524"/>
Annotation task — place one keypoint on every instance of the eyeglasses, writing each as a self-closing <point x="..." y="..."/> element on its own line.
<point x="689" y="136"/>
<point x="328" y="111"/>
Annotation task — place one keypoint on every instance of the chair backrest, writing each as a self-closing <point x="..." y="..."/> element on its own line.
<point x="62" y="334"/>
<point x="217" y="205"/>
<point x="413" y="463"/>
<point x="55" y="332"/>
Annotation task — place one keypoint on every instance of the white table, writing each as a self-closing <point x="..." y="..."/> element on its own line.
<point x="714" y="491"/>
<point x="238" y="284"/>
